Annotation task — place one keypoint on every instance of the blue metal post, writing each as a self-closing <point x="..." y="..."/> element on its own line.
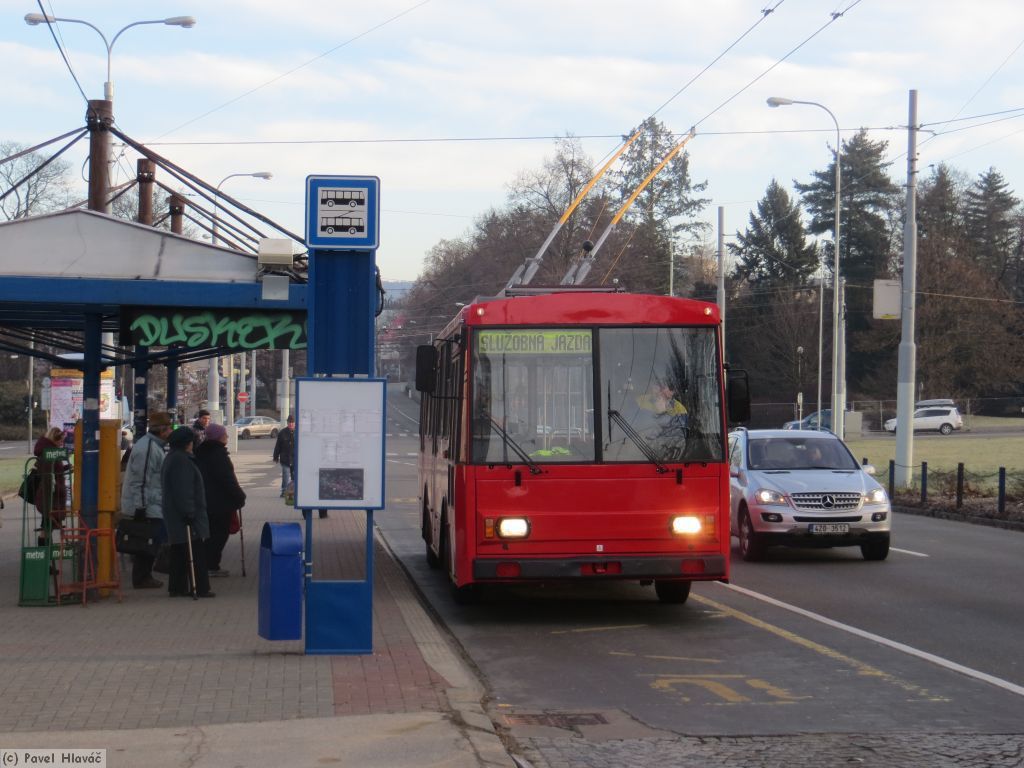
<point x="342" y="307"/>
<point x="172" y="384"/>
<point x="140" y="395"/>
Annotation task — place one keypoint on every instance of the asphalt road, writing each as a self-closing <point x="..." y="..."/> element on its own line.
<point x="806" y="642"/>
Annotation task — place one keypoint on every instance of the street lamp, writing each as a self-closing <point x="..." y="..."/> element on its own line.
<point x="265" y="175"/>
<point x="838" y="340"/>
<point x="32" y="19"/>
<point x="213" y="377"/>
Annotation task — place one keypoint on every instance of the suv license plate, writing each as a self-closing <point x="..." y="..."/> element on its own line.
<point x="821" y="528"/>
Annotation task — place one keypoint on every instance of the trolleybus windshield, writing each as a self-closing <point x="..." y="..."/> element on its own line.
<point x="658" y="395"/>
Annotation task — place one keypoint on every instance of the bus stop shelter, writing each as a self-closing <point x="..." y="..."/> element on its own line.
<point x="67" y="279"/>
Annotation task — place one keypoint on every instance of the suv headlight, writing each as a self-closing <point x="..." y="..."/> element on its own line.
<point x="768" y="496"/>
<point x="877" y="496"/>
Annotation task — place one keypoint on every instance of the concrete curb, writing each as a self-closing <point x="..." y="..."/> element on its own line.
<point x="941" y="514"/>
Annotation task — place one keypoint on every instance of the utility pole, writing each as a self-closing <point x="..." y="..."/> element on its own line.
<point x="176" y="203"/>
<point x="145" y="174"/>
<point x="99" y="118"/>
<point x="721" y="272"/>
<point x="907" y="372"/>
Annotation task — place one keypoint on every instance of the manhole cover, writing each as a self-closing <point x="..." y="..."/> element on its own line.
<point x="557" y="719"/>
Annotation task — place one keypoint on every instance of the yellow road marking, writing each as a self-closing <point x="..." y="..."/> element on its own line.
<point x="596" y="629"/>
<point x="860" y="667"/>
<point x="665" y="658"/>
<point x="713" y="684"/>
<point x="719" y="689"/>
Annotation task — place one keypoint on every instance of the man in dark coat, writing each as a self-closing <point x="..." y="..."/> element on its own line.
<point x="284" y="452"/>
<point x="200" y="424"/>
<point x="223" y="493"/>
<point x="184" y="509"/>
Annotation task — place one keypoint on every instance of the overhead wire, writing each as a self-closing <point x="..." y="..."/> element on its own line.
<point x="60" y="49"/>
<point x="292" y="71"/>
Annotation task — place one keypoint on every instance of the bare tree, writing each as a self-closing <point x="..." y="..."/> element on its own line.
<point x="45" y="190"/>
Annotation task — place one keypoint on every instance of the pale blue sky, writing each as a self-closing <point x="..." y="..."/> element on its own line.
<point x="459" y="69"/>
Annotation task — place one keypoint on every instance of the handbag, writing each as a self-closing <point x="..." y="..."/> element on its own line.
<point x="234" y="523"/>
<point x="30" y="486"/>
<point x="138" y="537"/>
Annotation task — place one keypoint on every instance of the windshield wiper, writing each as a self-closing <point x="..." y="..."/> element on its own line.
<point x="637" y="438"/>
<point x="510" y="443"/>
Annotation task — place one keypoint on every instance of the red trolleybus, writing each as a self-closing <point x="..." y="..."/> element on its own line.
<point x="577" y="435"/>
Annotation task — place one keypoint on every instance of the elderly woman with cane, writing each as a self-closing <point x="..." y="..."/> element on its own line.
<point x="188" y="527"/>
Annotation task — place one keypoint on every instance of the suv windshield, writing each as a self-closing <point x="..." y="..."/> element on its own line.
<point x="799" y="453"/>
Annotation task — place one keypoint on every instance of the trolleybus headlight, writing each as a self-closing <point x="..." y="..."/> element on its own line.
<point x="686" y="524"/>
<point x="513" y="528"/>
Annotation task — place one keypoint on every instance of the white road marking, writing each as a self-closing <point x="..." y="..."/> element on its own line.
<point x="404" y="415"/>
<point x="907" y="649"/>
<point x="908" y="552"/>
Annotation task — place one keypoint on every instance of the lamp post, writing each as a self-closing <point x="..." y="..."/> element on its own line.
<point x="213" y="378"/>
<point x="799" y="384"/>
<point x="33" y="19"/>
<point x="265" y="175"/>
<point x="100" y="115"/>
<point x="838" y="364"/>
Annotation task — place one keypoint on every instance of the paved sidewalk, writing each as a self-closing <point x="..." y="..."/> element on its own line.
<point x="171" y="682"/>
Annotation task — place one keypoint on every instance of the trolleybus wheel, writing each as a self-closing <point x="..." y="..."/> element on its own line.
<point x="672" y="591"/>
<point x="432" y="559"/>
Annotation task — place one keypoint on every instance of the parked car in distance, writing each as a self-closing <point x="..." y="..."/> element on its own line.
<point x="810" y="421"/>
<point x="943" y="419"/>
<point x="934" y="403"/>
<point x="257" y="426"/>
<point x="803" y="488"/>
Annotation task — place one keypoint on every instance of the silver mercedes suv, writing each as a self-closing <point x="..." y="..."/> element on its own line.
<point x="804" y="488"/>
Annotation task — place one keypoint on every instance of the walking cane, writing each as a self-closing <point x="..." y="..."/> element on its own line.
<point x="241" y="538"/>
<point x="191" y="562"/>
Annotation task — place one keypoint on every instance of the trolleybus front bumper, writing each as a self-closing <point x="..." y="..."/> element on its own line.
<point x="697" y="567"/>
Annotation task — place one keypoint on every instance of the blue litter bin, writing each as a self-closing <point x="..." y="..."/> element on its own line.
<point x="280" y="599"/>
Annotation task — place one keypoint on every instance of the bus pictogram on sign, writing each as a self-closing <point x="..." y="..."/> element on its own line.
<point x="335" y="224"/>
<point x="353" y="198"/>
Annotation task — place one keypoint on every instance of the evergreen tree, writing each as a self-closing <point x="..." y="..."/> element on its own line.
<point x="868" y="202"/>
<point x="664" y="213"/>
<point x="991" y="224"/>
<point x="775" y="313"/>
<point x="774" y="250"/>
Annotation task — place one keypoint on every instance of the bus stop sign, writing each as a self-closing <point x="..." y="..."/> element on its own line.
<point x="343" y="212"/>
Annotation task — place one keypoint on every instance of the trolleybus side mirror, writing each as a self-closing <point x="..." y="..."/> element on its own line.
<point x="426" y="368"/>
<point x="737" y="395"/>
